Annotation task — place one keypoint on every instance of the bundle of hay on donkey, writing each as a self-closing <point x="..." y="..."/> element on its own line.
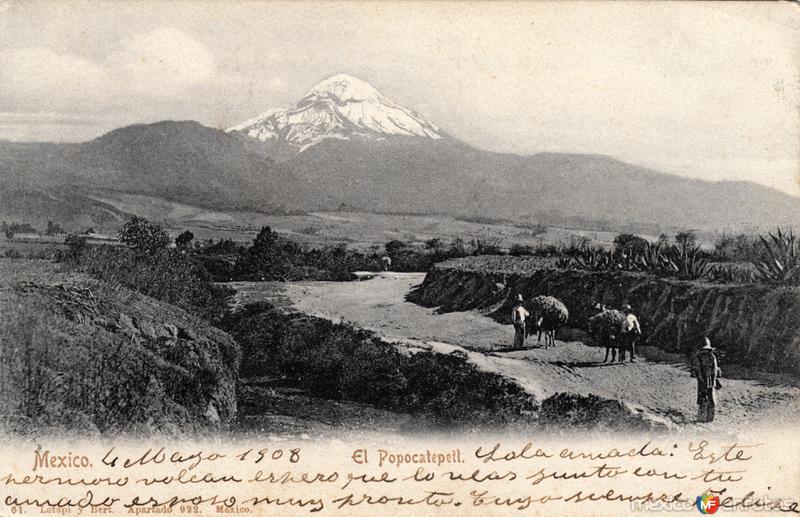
<point x="548" y="314"/>
<point x="604" y="327"/>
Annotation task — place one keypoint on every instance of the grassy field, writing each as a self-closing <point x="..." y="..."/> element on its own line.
<point x="362" y="231"/>
<point x="358" y="230"/>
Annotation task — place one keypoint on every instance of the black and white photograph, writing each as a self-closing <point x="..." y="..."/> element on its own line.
<point x="256" y="221"/>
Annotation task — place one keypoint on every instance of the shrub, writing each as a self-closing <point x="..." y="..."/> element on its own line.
<point x="11" y="229"/>
<point x="76" y="246"/>
<point x="518" y="250"/>
<point x="143" y="236"/>
<point x="629" y="243"/>
<point x="686" y="239"/>
<point x="338" y="361"/>
<point x="165" y="275"/>
<point x="394" y="247"/>
<point x="184" y="240"/>
<point x="486" y="246"/>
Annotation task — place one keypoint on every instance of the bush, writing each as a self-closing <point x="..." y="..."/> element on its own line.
<point x="738" y="248"/>
<point x="143" y="236"/>
<point x="184" y="240"/>
<point x="14" y="228"/>
<point x="519" y="250"/>
<point x="54" y="228"/>
<point x="164" y="274"/>
<point x="686" y="239"/>
<point x="629" y="243"/>
<point x="338" y="361"/>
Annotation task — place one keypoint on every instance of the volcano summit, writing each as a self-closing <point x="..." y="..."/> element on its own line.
<point x="340" y="107"/>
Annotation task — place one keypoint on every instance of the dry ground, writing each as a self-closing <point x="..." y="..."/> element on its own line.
<point x="662" y="388"/>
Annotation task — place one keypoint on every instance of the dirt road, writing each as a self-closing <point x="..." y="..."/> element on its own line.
<point x="378" y="304"/>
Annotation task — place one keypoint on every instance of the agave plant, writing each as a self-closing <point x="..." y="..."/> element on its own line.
<point x="564" y="262"/>
<point x="783" y="265"/>
<point x="595" y="259"/>
<point x="653" y="258"/>
<point x="687" y="262"/>
<point x="728" y="274"/>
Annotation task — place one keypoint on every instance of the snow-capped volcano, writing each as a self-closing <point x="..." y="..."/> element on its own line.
<point x="340" y="107"/>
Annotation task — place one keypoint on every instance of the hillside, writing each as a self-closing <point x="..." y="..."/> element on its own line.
<point x="448" y="176"/>
<point x="181" y="161"/>
<point x="344" y="146"/>
<point x="85" y="356"/>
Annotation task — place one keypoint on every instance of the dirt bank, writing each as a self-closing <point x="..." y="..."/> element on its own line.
<point x="750" y="325"/>
<point x="78" y="355"/>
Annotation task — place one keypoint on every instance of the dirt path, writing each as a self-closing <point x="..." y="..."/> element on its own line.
<point x="379" y="304"/>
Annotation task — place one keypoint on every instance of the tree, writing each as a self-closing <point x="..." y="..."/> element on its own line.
<point x="686" y="239"/>
<point x="183" y="240"/>
<point x="143" y="236"/>
<point x="629" y="243"/>
<point x="434" y="244"/>
<point x="266" y="238"/>
<point x="394" y="246"/>
<point x="54" y="228"/>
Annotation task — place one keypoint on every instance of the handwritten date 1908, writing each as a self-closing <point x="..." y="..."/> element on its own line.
<point x="193" y="459"/>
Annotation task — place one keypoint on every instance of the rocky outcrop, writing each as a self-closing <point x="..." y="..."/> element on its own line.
<point x="749" y="324"/>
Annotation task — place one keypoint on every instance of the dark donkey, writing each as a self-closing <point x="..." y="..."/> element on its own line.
<point x="605" y="328"/>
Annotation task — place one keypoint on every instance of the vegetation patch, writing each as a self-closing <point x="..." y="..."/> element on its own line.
<point x="338" y="361"/>
<point x="83" y="356"/>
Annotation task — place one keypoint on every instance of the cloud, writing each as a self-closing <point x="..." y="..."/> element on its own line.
<point x="162" y="63"/>
<point x="43" y="78"/>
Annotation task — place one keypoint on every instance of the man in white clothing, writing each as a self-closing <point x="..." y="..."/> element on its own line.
<point x="518" y="316"/>
<point x="629" y="334"/>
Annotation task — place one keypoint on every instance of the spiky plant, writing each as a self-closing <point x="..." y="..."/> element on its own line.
<point x="727" y="274"/>
<point x="564" y="263"/>
<point x="687" y="262"/>
<point x="783" y="265"/>
<point x="594" y="259"/>
<point x="652" y="258"/>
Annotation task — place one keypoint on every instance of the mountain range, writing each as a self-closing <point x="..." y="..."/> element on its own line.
<point x="345" y="146"/>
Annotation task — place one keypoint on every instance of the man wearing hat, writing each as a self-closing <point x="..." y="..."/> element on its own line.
<point x="707" y="373"/>
<point x="629" y="333"/>
<point x="518" y="316"/>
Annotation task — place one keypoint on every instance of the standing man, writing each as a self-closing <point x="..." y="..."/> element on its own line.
<point x="707" y="372"/>
<point x="387" y="262"/>
<point x="629" y="334"/>
<point x="518" y="316"/>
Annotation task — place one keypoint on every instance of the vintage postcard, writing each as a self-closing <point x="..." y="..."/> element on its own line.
<point x="407" y="258"/>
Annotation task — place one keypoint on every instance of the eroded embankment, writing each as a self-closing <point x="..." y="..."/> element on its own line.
<point x="82" y="356"/>
<point x="342" y="362"/>
<point x="751" y="325"/>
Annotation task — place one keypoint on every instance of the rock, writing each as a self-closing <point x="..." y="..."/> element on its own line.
<point x="151" y="329"/>
<point x="126" y="325"/>
<point x="211" y="413"/>
<point x="171" y="329"/>
<point x="186" y="333"/>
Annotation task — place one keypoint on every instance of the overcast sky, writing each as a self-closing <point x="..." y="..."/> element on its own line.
<point x="701" y="90"/>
